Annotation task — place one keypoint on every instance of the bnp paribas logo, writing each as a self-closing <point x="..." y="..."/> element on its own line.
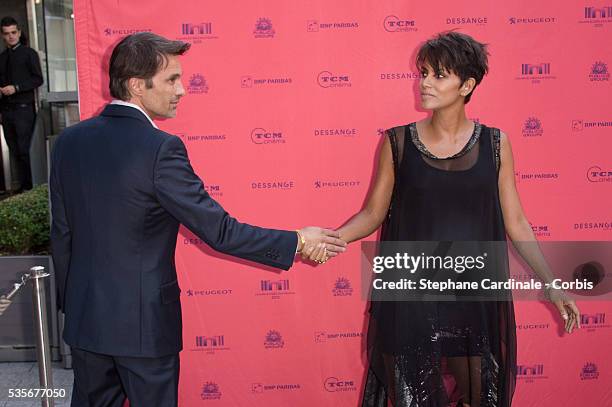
<point x="263" y="28"/>
<point x="599" y="72"/>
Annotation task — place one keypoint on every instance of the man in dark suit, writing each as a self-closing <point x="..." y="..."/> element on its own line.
<point x="120" y="187"/>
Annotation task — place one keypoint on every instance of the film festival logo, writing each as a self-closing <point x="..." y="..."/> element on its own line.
<point x="326" y="79"/>
<point x="197" y="84"/>
<point x="274" y="288"/>
<point x="197" y="32"/>
<point x="535" y="72"/>
<point x="334" y="385"/>
<point x="263" y="28"/>
<point x="210" y="391"/>
<point x="597" y="174"/>
<point x="593" y="322"/>
<point x="342" y="287"/>
<point x="598" y="16"/>
<point x="110" y="32"/>
<point x="532" y="127"/>
<point x="530" y="20"/>
<point x="394" y="24"/>
<point x="259" y="388"/>
<point x="248" y="81"/>
<point x="210" y="344"/>
<point x="262" y="136"/>
<point x="314" y="26"/>
<point x="530" y="373"/>
<point x="589" y="372"/>
<point x="274" y="340"/>
<point x="599" y="72"/>
<point x="474" y="20"/>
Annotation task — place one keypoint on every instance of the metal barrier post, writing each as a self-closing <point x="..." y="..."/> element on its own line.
<point x="37" y="276"/>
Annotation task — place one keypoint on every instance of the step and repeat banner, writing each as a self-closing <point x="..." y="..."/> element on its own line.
<point x="283" y="116"/>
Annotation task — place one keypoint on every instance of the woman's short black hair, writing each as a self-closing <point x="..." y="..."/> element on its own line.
<point x="455" y="52"/>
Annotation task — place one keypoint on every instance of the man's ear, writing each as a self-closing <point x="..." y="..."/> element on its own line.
<point x="136" y="86"/>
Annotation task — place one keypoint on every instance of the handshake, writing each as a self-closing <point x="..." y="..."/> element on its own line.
<point x="318" y="244"/>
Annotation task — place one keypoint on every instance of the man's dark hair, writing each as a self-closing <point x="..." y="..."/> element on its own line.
<point x="140" y="55"/>
<point x="9" y="21"/>
<point x="457" y="53"/>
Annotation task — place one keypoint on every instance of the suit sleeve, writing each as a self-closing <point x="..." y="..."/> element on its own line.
<point x="61" y="234"/>
<point x="182" y="194"/>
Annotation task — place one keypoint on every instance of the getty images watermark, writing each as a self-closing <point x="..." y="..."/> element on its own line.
<point x="484" y="271"/>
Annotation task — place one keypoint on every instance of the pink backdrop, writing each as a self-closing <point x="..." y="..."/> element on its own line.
<point x="282" y="118"/>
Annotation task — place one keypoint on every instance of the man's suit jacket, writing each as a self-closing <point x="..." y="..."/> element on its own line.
<point x="119" y="190"/>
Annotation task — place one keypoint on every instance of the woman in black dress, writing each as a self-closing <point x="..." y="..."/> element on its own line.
<point x="446" y="178"/>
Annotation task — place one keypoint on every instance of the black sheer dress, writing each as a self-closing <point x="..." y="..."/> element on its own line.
<point x="414" y="348"/>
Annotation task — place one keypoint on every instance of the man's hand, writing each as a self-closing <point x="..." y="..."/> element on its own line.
<point x="8" y="90"/>
<point x="326" y="240"/>
<point x="4" y="304"/>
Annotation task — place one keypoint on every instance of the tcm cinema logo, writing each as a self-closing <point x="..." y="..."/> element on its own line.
<point x="259" y="388"/>
<point x="467" y="20"/>
<point x="394" y="24"/>
<point x="593" y="322"/>
<point x="263" y="28"/>
<point x="599" y="72"/>
<point x="530" y="373"/>
<point x="334" y="385"/>
<point x="532" y="127"/>
<point x="597" y="174"/>
<point x="197" y="84"/>
<point x="323" y="337"/>
<point x="399" y="76"/>
<point x="580" y="125"/>
<point x="326" y="79"/>
<point x="541" y="230"/>
<point x="208" y="292"/>
<point x="111" y="32"/>
<point x="536" y="73"/>
<point x="272" y="185"/>
<point x="249" y="81"/>
<point x="314" y="26"/>
<point x="274" y="288"/>
<point x="597" y="16"/>
<point x="336" y="132"/>
<point x="262" y="136"/>
<point x="210" y="344"/>
<point x="531" y="20"/>
<point x="274" y="340"/>
<point x="210" y="391"/>
<point x="342" y="287"/>
<point x="213" y="190"/>
<point x="318" y="184"/>
<point x="197" y="32"/>
<point x="589" y="372"/>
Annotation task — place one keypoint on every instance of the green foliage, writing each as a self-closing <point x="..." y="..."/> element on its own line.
<point x="24" y="223"/>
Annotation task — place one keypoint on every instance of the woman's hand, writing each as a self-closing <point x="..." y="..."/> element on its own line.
<point x="567" y="308"/>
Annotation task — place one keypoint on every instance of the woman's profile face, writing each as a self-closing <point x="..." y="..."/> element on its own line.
<point x="439" y="89"/>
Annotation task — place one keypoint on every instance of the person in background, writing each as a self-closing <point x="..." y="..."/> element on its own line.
<point x="20" y="75"/>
